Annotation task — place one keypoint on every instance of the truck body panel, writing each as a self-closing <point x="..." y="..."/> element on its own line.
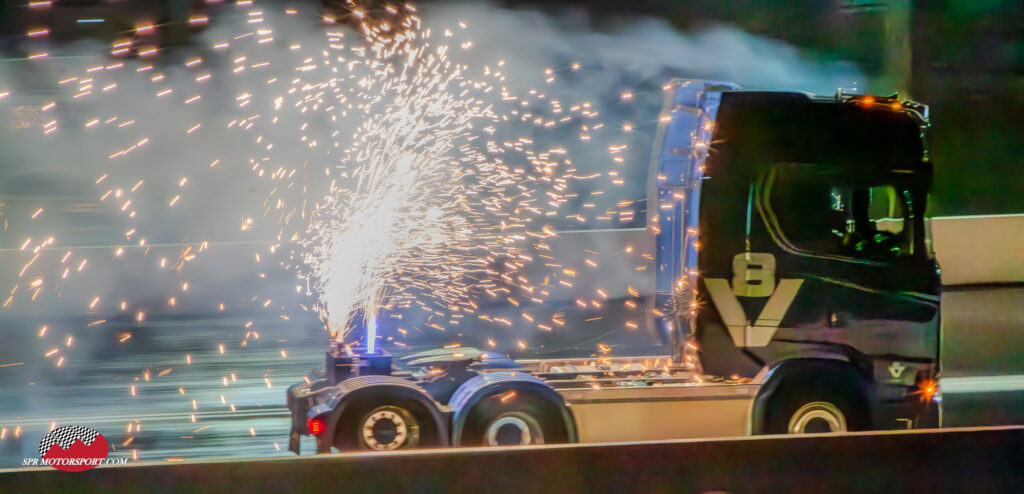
<point x="645" y="414"/>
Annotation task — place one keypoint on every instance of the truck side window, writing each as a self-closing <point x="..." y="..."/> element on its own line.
<point x="815" y="209"/>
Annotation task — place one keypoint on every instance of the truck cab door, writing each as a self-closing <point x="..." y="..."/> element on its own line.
<point x="829" y="261"/>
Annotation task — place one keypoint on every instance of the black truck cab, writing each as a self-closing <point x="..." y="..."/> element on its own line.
<point x="800" y="222"/>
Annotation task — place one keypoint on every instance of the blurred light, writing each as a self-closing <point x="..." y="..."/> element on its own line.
<point x="928" y="389"/>
<point x="315" y="426"/>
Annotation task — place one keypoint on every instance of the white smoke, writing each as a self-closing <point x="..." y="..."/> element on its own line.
<point x="637" y="55"/>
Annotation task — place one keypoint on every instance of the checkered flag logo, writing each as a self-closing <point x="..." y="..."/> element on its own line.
<point x="65" y="436"/>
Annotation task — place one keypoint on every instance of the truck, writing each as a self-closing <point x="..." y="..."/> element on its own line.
<point x="794" y="281"/>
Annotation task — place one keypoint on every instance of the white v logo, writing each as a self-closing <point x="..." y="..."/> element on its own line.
<point x="760" y="333"/>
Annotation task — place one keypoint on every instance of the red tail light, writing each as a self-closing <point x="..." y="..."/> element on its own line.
<point x="315" y="426"/>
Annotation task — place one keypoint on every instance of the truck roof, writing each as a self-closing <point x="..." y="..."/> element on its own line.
<point x="864" y="131"/>
<point x="771" y="127"/>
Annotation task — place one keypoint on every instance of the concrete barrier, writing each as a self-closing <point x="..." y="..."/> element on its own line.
<point x="955" y="460"/>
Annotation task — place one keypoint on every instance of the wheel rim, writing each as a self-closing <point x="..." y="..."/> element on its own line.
<point x="388" y="428"/>
<point x="815" y="414"/>
<point x="514" y="429"/>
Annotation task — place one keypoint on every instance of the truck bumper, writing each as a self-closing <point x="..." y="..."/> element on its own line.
<point x="907" y="395"/>
<point x="910" y="411"/>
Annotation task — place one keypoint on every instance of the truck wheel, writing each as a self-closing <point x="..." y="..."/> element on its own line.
<point x="513" y="421"/>
<point x="387" y="428"/>
<point x="814" y="411"/>
<point x="818" y="416"/>
<point x="384" y="425"/>
<point x="513" y="429"/>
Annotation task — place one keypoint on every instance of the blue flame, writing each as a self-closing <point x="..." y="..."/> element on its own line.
<point x="371" y="333"/>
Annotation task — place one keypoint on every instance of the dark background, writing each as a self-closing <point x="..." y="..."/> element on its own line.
<point x="964" y="58"/>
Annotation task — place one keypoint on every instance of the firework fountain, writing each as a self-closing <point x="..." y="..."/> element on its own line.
<point x="420" y="216"/>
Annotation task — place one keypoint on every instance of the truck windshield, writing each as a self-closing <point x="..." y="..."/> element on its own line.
<point x="819" y="210"/>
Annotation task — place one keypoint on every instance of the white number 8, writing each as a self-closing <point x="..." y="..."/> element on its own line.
<point x="753" y="275"/>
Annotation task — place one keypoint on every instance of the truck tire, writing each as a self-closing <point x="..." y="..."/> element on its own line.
<point x="384" y="425"/>
<point x="512" y="419"/>
<point x="816" y="409"/>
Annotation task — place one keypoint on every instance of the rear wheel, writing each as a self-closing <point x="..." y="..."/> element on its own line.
<point x="512" y="419"/>
<point x="387" y="428"/>
<point x="385" y="425"/>
<point x="513" y="429"/>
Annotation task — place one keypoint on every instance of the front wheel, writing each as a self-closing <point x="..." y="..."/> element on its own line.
<point x="817" y="417"/>
<point x="816" y="410"/>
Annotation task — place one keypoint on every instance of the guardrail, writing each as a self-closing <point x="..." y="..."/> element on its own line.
<point x="953" y="460"/>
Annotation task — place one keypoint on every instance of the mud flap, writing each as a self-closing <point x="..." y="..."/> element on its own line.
<point x="298" y="412"/>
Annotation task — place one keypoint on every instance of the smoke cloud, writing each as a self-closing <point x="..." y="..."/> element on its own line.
<point x="561" y="55"/>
